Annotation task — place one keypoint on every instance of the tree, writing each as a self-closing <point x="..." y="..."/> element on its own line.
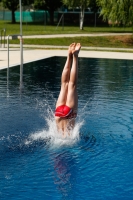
<point x="13" y="6"/>
<point x="83" y="4"/>
<point x="118" y="11"/>
<point x="49" y="5"/>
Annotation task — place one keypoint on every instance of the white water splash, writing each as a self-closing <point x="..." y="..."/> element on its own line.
<point x="50" y="135"/>
<point x="53" y="137"/>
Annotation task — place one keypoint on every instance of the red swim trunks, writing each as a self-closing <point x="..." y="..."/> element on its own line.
<point x="63" y="111"/>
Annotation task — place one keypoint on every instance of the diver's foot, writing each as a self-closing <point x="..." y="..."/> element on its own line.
<point x="71" y="48"/>
<point x="75" y="52"/>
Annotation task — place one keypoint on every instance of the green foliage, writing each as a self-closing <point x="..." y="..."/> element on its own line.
<point x="76" y="3"/>
<point x="13" y="6"/>
<point x="49" y="5"/>
<point x="10" y="4"/>
<point x="118" y="11"/>
<point x="39" y="4"/>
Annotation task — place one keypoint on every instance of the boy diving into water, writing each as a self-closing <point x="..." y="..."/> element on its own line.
<point x="67" y="103"/>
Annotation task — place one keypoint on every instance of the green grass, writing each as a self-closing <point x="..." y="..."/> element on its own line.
<point x="108" y="41"/>
<point x="37" y="29"/>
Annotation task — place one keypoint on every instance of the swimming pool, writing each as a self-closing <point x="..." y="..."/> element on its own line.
<point x="95" y="163"/>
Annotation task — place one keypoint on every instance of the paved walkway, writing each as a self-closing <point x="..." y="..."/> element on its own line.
<point x="76" y="35"/>
<point x="65" y="47"/>
<point x="37" y="54"/>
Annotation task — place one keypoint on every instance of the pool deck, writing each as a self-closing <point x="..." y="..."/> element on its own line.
<point x="34" y="53"/>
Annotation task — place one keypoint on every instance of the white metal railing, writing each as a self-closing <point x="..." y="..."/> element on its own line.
<point x="13" y="37"/>
<point x="3" y="34"/>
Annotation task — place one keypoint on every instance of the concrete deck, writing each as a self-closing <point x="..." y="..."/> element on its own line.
<point x="37" y="54"/>
<point x="76" y="35"/>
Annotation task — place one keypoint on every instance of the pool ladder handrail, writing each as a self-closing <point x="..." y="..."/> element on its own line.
<point x="13" y="37"/>
<point x="3" y="33"/>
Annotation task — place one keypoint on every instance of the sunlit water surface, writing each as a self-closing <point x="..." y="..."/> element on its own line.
<point x="96" y="161"/>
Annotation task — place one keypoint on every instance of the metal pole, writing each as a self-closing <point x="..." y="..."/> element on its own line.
<point x="95" y="19"/>
<point x="4" y="30"/>
<point x="1" y="38"/>
<point x="7" y="59"/>
<point x="3" y="33"/>
<point x="21" y="47"/>
<point x="59" y="21"/>
<point x="63" y="22"/>
<point x="8" y="66"/>
<point x="45" y="18"/>
<point x="4" y="37"/>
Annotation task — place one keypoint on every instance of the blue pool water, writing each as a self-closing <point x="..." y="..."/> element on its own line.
<point x="96" y="162"/>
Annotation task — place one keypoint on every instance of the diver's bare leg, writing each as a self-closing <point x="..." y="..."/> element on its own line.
<point x="65" y="77"/>
<point x="72" y="97"/>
